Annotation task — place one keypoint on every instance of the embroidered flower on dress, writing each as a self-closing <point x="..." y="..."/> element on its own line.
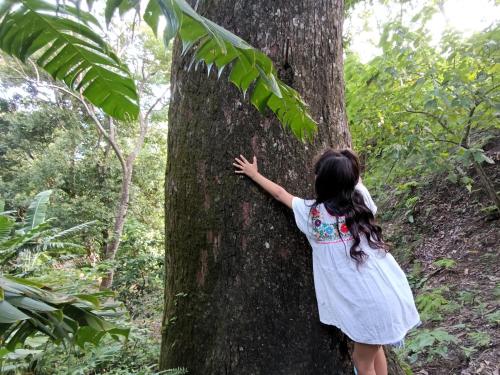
<point x="315" y="212"/>
<point x="328" y="232"/>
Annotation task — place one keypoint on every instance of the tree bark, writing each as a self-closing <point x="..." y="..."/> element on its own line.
<point x="122" y="206"/>
<point x="239" y="295"/>
<point x="120" y="216"/>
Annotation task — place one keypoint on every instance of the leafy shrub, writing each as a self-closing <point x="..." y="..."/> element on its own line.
<point x="445" y="263"/>
<point x="431" y="304"/>
<point x="138" y="355"/>
<point x="480" y="339"/>
<point x="494" y="317"/>
<point x="428" y="344"/>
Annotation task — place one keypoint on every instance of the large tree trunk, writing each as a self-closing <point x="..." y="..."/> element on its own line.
<point x="239" y="293"/>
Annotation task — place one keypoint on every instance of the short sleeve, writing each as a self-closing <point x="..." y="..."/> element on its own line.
<point x="367" y="197"/>
<point x="301" y="213"/>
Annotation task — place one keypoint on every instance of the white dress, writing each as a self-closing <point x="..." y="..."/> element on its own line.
<point x="371" y="304"/>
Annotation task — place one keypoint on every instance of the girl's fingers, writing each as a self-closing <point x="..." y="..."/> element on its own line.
<point x="239" y="172"/>
<point x="255" y="159"/>
<point x="237" y="165"/>
<point x="242" y="157"/>
<point x="239" y="161"/>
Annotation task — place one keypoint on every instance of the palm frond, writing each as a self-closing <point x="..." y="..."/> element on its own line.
<point x="6" y="225"/>
<point x="65" y="45"/>
<point x="213" y="45"/>
<point x="57" y="245"/>
<point x="123" y="6"/>
<point x="72" y="230"/>
<point x="216" y="47"/>
<point x="20" y="239"/>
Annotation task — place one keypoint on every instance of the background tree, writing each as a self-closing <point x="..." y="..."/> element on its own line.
<point x="150" y="64"/>
<point x="418" y="109"/>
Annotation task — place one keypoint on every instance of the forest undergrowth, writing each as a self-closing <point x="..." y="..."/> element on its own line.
<point x="449" y="248"/>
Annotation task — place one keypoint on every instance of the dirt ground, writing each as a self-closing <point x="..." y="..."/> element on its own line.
<point x="449" y="224"/>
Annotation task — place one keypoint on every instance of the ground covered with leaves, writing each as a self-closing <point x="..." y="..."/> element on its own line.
<point x="448" y="242"/>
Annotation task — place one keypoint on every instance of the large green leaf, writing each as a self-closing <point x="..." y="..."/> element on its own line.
<point x="10" y="314"/>
<point x="27" y="308"/>
<point x="37" y="209"/>
<point x="30" y="304"/>
<point x="6" y="225"/>
<point x="213" y="45"/>
<point x="64" y="43"/>
<point x="122" y="6"/>
<point x="216" y="47"/>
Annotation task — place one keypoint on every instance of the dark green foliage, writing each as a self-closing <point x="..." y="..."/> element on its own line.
<point x="417" y="110"/>
<point x="29" y="308"/>
<point x="62" y="40"/>
<point x="65" y="45"/>
<point x="215" y="46"/>
<point x="139" y="355"/>
<point x="139" y="282"/>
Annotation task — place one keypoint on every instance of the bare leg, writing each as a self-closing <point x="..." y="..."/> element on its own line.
<point x="380" y="362"/>
<point x="363" y="357"/>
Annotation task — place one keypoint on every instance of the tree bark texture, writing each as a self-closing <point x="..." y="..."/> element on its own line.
<point x="239" y="295"/>
<point x="120" y="216"/>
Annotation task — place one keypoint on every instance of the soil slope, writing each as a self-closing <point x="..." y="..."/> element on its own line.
<point x="451" y="253"/>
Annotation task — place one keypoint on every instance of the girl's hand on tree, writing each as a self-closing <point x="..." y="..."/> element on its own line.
<point x="245" y="167"/>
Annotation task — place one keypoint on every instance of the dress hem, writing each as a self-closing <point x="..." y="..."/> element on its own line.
<point x="385" y="342"/>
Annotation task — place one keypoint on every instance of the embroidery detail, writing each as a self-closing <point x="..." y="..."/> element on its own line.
<point x="327" y="232"/>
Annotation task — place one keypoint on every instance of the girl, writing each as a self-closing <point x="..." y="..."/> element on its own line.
<point x="359" y="286"/>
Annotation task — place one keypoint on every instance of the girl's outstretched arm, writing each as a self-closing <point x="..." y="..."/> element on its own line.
<point x="250" y="169"/>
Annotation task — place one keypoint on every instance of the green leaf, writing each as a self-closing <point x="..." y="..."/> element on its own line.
<point x="214" y="45"/>
<point x="10" y="314"/>
<point x="430" y="104"/>
<point x="21" y="334"/>
<point x="89" y="334"/>
<point x="6" y="225"/>
<point x="260" y="95"/>
<point x="37" y="209"/>
<point x="89" y="298"/>
<point x="152" y="15"/>
<point x="30" y="304"/>
<point x="480" y="156"/>
<point x="123" y="6"/>
<point x="170" y="13"/>
<point x="70" y="51"/>
<point x="39" y="314"/>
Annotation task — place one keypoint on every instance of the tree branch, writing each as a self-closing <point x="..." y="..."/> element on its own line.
<point x="465" y="139"/>
<point x="440" y="121"/>
<point x="101" y="129"/>
<point x="148" y="112"/>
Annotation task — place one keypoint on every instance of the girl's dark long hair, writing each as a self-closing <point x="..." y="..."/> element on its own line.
<point x="337" y="173"/>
